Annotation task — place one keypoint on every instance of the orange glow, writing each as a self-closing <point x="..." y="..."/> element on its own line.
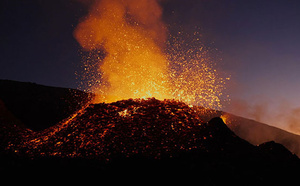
<point x="226" y="118"/>
<point x="134" y="126"/>
<point x="132" y="64"/>
<point x="130" y="32"/>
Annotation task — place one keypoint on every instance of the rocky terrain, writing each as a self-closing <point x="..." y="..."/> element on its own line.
<point x="141" y="136"/>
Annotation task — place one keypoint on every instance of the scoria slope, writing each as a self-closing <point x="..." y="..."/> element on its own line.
<point x="150" y="128"/>
<point x="143" y="136"/>
<point x="134" y="137"/>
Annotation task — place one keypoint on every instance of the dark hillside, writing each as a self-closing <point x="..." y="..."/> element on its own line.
<point x="37" y="106"/>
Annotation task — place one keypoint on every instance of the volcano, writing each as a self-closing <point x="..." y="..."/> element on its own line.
<point x="142" y="135"/>
<point x="150" y="128"/>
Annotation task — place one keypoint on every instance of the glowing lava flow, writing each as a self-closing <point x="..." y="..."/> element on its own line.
<point x="225" y="118"/>
<point x="147" y="127"/>
<point x="39" y="139"/>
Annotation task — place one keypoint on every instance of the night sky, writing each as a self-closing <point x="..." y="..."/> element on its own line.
<point x="258" y="41"/>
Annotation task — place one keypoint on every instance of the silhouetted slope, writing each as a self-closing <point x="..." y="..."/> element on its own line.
<point x="276" y="151"/>
<point x="37" y="106"/>
<point x="257" y="133"/>
<point x="10" y="127"/>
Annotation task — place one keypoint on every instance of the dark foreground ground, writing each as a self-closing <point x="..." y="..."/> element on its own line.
<point x="132" y="138"/>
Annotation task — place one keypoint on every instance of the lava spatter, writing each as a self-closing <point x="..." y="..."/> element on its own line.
<point x="128" y="53"/>
<point x="148" y="127"/>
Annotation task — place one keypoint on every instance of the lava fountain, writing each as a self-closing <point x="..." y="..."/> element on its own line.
<point x="125" y="42"/>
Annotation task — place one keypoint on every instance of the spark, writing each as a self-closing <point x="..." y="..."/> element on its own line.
<point x="125" y="57"/>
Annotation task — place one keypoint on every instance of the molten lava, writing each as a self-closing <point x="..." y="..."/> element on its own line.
<point x="147" y="127"/>
<point x="126" y="42"/>
<point x="131" y="33"/>
<point x="226" y="118"/>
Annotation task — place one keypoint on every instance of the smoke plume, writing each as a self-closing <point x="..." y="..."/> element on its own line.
<point x="132" y="55"/>
<point x="132" y="34"/>
<point x="279" y="113"/>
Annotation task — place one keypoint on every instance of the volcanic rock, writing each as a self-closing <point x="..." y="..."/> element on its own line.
<point x="276" y="151"/>
<point x="257" y="133"/>
<point x="144" y="136"/>
<point x="125" y="128"/>
<point x="39" y="107"/>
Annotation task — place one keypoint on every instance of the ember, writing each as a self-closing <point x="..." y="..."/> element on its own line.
<point x="149" y="127"/>
<point x="130" y="33"/>
<point x="143" y="135"/>
<point x="125" y="45"/>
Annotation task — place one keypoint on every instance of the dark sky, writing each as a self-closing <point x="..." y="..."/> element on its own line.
<point x="258" y="40"/>
<point x="37" y="44"/>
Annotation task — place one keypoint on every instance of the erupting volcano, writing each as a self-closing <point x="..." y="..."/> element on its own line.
<point x="125" y="47"/>
<point x="142" y="136"/>
<point x="151" y="104"/>
<point x="150" y="128"/>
